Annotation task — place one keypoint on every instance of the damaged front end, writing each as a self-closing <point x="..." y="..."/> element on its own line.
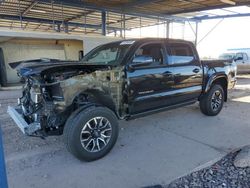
<point x="29" y="110"/>
<point x="51" y="94"/>
<point x="36" y="113"/>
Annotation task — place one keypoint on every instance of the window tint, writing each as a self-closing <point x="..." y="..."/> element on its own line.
<point x="179" y="54"/>
<point x="150" y="51"/>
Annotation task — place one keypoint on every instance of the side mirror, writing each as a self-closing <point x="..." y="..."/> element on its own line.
<point x="141" y="61"/>
<point x="238" y="58"/>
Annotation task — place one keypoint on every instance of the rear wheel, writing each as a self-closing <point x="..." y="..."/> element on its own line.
<point x="212" y="102"/>
<point x="92" y="133"/>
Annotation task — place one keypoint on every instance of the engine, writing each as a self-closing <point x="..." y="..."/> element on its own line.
<point x="37" y="103"/>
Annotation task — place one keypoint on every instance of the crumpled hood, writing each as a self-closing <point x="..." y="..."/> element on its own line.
<point x="37" y="66"/>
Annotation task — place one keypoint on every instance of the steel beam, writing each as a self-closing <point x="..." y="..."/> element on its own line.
<point x="80" y="15"/>
<point x="140" y="3"/>
<point x="210" y="31"/>
<point x="46" y="21"/>
<point x="29" y="7"/>
<point x="124" y="25"/>
<point x="223" y="16"/>
<point x="208" y="8"/>
<point x="196" y="33"/>
<point x="168" y="29"/>
<point x="88" y="5"/>
<point x="58" y="28"/>
<point x="3" y="177"/>
<point x="104" y="23"/>
<point x="66" y="27"/>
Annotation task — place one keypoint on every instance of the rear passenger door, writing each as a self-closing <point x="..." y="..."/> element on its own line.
<point x="246" y="61"/>
<point x="187" y="71"/>
<point x="149" y="85"/>
<point x="241" y="66"/>
<point x="243" y="62"/>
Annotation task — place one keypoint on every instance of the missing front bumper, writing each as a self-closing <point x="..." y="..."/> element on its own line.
<point x="16" y="114"/>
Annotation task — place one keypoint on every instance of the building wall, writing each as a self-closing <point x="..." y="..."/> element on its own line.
<point x="71" y="48"/>
<point x="27" y="49"/>
<point x="92" y="42"/>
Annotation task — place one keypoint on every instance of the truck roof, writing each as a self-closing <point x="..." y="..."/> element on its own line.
<point x="151" y="39"/>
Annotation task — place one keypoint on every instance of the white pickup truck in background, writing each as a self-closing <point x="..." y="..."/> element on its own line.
<point x="242" y="58"/>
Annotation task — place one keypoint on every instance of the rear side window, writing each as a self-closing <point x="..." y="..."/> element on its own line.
<point x="239" y="55"/>
<point x="245" y="57"/>
<point x="180" y="54"/>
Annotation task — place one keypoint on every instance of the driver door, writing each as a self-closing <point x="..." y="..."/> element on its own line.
<point x="147" y="82"/>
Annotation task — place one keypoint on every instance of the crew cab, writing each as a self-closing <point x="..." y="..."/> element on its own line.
<point x="116" y="81"/>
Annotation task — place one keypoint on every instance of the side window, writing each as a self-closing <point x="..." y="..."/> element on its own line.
<point x="239" y="56"/>
<point x="151" y="53"/>
<point x="180" y="54"/>
<point x="245" y="57"/>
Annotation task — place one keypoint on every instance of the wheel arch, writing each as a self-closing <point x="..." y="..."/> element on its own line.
<point x="220" y="79"/>
<point x="99" y="98"/>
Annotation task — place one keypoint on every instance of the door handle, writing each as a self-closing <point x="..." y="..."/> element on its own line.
<point x="196" y="70"/>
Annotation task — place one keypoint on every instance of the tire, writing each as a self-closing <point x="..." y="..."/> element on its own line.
<point x="88" y="144"/>
<point x="212" y="102"/>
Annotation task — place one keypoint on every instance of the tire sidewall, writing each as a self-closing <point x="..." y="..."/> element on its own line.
<point x="79" y="121"/>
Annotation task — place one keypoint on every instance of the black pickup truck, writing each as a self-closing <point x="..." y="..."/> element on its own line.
<point x="116" y="81"/>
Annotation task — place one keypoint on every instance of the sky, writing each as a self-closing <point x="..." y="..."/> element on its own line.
<point x="229" y="33"/>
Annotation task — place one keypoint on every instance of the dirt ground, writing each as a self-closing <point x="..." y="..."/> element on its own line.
<point x="152" y="150"/>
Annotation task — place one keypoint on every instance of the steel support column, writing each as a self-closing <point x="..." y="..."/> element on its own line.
<point x="104" y="24"/>
<point x="66" y="27"/>
<point x="196" y="33"/>
<point x="3" y="177"/>
<point x="210" y="31"/>
<point x="167" y="29"/>
<point x="124" y="26"/>
<point x="58" y="28"/>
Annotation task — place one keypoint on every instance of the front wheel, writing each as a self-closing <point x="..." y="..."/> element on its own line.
<point x="92" y="133"/>
<point x="212" y="102"/>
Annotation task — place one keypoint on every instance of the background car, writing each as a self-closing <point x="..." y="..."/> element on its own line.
<point x="241" y="57"/>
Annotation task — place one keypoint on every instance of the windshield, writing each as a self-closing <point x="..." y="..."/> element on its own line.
<point x="227" y="56"/>
<point x="108" y="54"/>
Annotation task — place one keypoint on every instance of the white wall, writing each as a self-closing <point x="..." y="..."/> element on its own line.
<point x="92" y="42"/>
<point x="27" y="49"/>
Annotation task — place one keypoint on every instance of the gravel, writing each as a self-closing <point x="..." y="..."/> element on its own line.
<point x="222" y="174"/>
<point x="243" y="158"/>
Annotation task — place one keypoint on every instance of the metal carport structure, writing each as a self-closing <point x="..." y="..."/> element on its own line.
<point x="105" y="17"/>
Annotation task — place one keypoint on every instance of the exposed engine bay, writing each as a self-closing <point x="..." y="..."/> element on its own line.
<point x="48" y="98"/>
